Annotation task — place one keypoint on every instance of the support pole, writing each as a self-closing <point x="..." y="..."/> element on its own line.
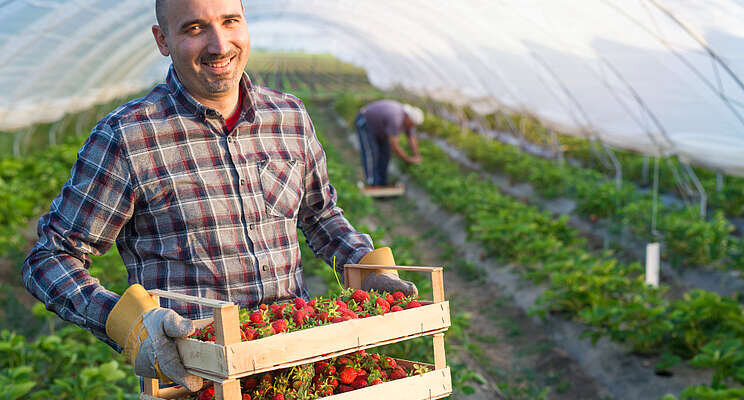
<point x="653" y="257"/>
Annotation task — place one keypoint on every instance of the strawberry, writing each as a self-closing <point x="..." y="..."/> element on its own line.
<point x="359" y="383"/>
<point x="376" y="382"/>
<point x="250" y="383"/>
<point x="300" y="317"/>
<point x="398" y="373"/>
<point x="323" y="316"/>
<point x="341" y="305"/>
<point x="413" y="304"/>
<point x="263" y="307"/>
<point x="330" y="370"/>
<point x="339" y="319"/>
<point x="396" y="308"/>
<point x="344" y="388"/>
<point x="384" y="304"/>
<point x="309" y="311"/>
<point x="299" y="303"/>
<point x="311" y="303"/>
<point x="320" y="367"/>
<point x="389" y="363"/>
<point x="256" y="317"/>
<point x="278" y="396"/>
<point x="375" y="356"/>
<point x="398" y="295"/>
<point x="207" y="394"/>
<point x="250" y="334"/>
<point x="246" y="396"/>
<point x="348" y="375"/>
<point x="389" y="297"/>
<point x="279" y="325"/>
<point x="360" y="296"/>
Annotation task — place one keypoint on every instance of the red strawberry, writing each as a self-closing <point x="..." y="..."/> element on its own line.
<point x="278" y="396"/>
<point x="398" y="295"/>
<point x="250" y="334"/>
<point x="323" y="316"/>
<point x="263" y="307"/>
<point x="360" y="296"/>
<point x="375" y="356"/>
<point x="279" y="325"/>
<point x="339" y="319"/>
<point x="311" y="303"/>
<point x="361" y="353"/>
<point x="389" y="297"/>
<point x="256" y="317"/>
<point x="246" y="396"/>
<point x="300" y="317"/>
<point x="383" y="304"/>
<point x="413" y="304"/>
<point x="389" y="363"/>
<point x="320" y="366"/>
<point x="341" y="305"/>
<point x="376" y="382"/>
<point x="398" y="373"/>
<point x="344" y="388"/>
<point x="396" y="308"/>
<point x="207" y="394"/>
<point x="309" y="311"/>
<point x="348" y="313"/>
<point x="359" y="383"/>
<point x="343" y="361"/>
<point x="348" y="375"/>
<point x="299" y="303"/>
<point x="330" y="370"/>
<point x="250" y="383"/>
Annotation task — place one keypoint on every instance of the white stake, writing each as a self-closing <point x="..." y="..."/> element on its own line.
<point x="652" y="264"/>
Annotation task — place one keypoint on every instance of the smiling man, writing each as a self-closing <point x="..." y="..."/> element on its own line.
<point x="201" y="184"/>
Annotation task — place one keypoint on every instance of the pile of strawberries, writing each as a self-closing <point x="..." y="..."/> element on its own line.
<point x="320" y="379"/>
<point x="288" y="317"/>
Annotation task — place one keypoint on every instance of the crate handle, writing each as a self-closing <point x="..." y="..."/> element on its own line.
<point x="353" y="276"/>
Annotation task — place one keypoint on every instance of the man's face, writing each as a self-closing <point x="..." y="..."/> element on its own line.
<point x="208" y="42"/>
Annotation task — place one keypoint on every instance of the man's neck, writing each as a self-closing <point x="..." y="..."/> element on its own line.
<point x="226" y="105"/>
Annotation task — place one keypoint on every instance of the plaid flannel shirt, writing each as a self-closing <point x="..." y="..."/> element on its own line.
<point x="192" y="208"/>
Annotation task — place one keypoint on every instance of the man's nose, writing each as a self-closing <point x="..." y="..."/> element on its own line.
<point x="219" y="42"/>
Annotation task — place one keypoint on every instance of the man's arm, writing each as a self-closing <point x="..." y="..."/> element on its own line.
<point x="329" y="234"/>
<point x="93" y="206"/>
<point x="415" y="159"/>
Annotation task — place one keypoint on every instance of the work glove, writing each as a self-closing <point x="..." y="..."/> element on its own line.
<point x="384" y="280"/>
<point x="146" y="332"/>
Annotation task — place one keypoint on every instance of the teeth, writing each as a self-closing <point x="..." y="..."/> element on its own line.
<point x="219" y="64"/>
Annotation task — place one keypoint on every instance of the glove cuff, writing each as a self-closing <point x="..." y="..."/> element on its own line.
<point x="124" y="323"/>
<point x="381" y="256"/>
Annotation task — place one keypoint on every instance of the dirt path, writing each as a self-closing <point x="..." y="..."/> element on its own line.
<point x="513" y="353"/>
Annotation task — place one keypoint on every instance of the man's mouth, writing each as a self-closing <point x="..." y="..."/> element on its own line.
<point x="219" y="66"/>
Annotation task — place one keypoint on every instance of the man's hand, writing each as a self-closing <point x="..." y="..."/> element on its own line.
<point x="147" y="333"/>
<point x="159" y="349"/>
<point x="385" y="280"/>
<point x="415" y="160"/>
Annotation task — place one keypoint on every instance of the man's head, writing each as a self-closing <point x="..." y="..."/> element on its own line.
<point x="207" y="41"/>
<point x="414" y="115"/>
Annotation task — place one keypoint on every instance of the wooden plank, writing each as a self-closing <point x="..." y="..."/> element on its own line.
<point x="354" y="334"/>
<point x="227" y="325"/>
<point x="207" y="356"/>
<point x="189" y="299"/>
<point x="352" y="278"/>
<point x="228" y="390"/>
<point x="152" y="385"/>
<point x="208" y="376"/>
<point x="398" y="267"/>
<point x="382" y="191"/>
<point x="439" y="355"/>
<point x="431" y="385"/>
<point x="437" y="285"/>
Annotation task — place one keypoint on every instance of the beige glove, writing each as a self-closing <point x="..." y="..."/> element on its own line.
<point x="384" y="280"/>
<point x="146" y="332"/>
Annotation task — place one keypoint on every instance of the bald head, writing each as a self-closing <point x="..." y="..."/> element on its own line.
<point x="160" y="13"/>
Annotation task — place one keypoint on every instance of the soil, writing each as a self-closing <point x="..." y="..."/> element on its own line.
<point x="512" y="351"/>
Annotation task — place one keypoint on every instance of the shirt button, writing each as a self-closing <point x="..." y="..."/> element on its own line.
<point x="242" y="181"/>
<point x="252" y="226"/>
<point x="265" y="267"/>
<point x="230" y="139"/>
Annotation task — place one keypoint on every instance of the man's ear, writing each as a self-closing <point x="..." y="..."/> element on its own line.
<point x="159" y="35"/>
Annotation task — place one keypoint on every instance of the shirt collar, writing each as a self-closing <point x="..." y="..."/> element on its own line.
<point x="184" y="97"/>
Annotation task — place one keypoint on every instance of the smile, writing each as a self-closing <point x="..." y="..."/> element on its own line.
<point x="219" y="65"/>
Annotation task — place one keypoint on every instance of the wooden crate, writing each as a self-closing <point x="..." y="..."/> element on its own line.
<point x="382" y="191"/>
<point x="229" y="359"/>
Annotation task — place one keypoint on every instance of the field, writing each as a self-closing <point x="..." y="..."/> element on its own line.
<point x="543" y="252"/>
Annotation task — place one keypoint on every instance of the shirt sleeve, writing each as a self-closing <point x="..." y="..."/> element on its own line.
<point x="329" y="234"/>
<point x="84" y="219"/>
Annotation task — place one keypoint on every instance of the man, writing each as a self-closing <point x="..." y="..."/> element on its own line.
<point x="202" y="185"/>
<point x="378" y="125"/>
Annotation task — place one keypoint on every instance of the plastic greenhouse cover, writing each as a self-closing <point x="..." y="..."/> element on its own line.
<point x="662" y="77"/>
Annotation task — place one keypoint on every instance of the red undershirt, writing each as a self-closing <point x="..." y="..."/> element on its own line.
<point x="233" y="119"/>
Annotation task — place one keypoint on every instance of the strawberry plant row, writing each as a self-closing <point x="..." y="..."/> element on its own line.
<point x="730" y="199"/>
<point x="610" y="297"/>
<point x="689" y="239"/>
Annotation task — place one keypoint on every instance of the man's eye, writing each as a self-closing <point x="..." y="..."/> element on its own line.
<point x="194" y="29"/>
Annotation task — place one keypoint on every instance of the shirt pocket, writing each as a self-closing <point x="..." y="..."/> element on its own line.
<point x="281" y="185"/>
